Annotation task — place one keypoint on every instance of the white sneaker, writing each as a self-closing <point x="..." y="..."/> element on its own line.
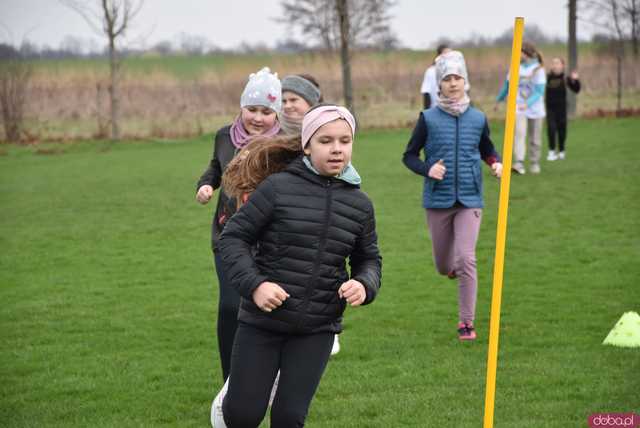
<point x="336" y="345"/>
<point x="551" y="156"/>
<point x="518" y="169"/>
<point x="217" y="420"/>
<point x="535" y="169"/>
<point x="561" y="155"/>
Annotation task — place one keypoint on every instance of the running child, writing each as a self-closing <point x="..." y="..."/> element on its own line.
<point x="555" y="99"/>
<point x="260" y="102"/>
<point x="454" y="137"/>
<point x="305" y="223"/>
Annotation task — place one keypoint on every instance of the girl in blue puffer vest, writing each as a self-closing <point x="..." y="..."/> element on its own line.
<point x="454" y="137"/>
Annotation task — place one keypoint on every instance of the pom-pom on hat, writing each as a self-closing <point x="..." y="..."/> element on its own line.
<point x="263" y="89"/>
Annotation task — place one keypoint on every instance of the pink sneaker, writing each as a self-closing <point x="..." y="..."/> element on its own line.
<point x="466" y="331"/>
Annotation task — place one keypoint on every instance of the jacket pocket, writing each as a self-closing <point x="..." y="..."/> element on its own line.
<point x="431" y="185"/>
<point x="477" y="178"/>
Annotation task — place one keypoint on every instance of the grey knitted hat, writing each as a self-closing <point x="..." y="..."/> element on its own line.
<point x="302" y="87"/>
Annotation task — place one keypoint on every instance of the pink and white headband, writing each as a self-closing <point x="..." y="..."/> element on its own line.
<point x="319" y="116"/>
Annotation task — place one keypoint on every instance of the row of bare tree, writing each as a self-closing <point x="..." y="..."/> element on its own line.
<point x="335" y="24"/>
<point x="345" y="21"/>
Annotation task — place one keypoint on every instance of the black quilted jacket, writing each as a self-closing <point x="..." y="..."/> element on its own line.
<point x="306" y="227"/>
<point x="223" y="152"/>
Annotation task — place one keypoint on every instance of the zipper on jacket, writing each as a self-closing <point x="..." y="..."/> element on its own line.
<point x="317" y="262"/>
<point x="455" y="183"/>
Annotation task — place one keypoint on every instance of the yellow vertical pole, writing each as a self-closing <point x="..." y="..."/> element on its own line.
<point x="501" y="236"/>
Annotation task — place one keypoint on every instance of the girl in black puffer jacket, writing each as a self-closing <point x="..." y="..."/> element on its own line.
<point x="306" y="222"/>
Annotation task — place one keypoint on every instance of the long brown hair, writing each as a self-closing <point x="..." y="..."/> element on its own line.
<point x="531" y="50"/>
<point x="259" y="159"/>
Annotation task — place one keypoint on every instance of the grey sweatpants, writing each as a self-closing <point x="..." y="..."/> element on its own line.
<point x="531" y="130"/>
<point x="454" y="233"/>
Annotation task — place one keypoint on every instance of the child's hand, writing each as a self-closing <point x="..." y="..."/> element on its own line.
<point x="204" y="194"/>
<point x="269" y="296"/>
<point x="496" y="169"/>
<point x="574" y="75"/>
<point x="438" y="170"/>
<point x="522" y="107"/>
<point x="353" y="291"/>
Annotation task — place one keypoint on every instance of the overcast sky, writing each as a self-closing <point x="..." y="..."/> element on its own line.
<point x="417" y="23"/>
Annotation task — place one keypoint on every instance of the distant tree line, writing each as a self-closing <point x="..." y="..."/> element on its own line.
<point x="199" y="46"/>
<point x="532" y="33"/>
<point x="31" y="51"/>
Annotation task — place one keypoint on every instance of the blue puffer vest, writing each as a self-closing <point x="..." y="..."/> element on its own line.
<point x="455" y="140"/>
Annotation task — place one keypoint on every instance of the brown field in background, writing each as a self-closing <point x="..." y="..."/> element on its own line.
<point x="180" y="97"/>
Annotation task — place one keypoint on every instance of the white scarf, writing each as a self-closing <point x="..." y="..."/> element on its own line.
<point x="454" y="107"/>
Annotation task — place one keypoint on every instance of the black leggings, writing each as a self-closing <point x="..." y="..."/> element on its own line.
<point x="556" y="124"/>
<point x="257" y="356"/>
<point x="228" y="305"/>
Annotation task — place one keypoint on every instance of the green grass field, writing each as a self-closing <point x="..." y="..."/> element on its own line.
<point x="109" y="298"/>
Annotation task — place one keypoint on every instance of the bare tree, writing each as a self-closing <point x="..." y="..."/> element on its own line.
<point x="111" y="18"/>
<point x="15" y="74"/>
<point x="72" y="46"/>
<point x="631" y="9"/>
<point x="319" y="21"/>
<point x="573" y="52"/>
<point x="608" y="15"/>
<point x="193" y="45"/>
<point x="615" y="17"/>
<point x="346" y="24"/>
<point x="342" y="9"/>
